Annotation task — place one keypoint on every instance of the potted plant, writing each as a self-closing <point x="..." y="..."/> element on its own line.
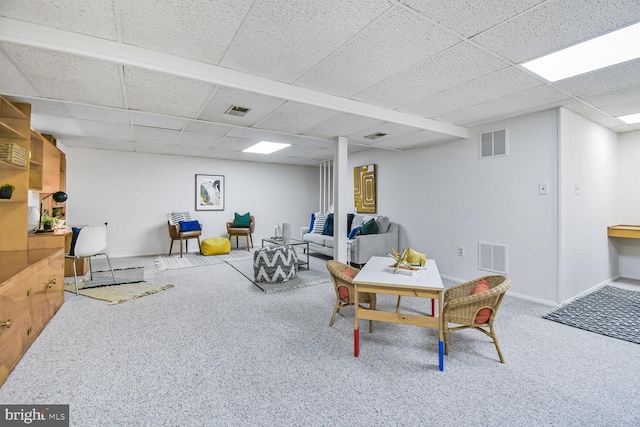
<point x="48" y="222"/>
<point x="6" y="191"/>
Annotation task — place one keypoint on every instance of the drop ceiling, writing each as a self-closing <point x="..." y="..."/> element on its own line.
<point x="157" y="76"/>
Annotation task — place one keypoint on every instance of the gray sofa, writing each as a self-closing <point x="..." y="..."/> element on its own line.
<point x="362" y="247"/>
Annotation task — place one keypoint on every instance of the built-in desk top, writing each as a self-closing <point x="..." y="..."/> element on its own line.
<point x="626" y="231"/>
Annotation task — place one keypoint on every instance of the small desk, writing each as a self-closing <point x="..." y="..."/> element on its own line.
<point x="426" y="284"/>
<point x="626" y="231"/>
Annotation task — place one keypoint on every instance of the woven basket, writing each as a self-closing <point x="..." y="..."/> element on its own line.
<point x="13" y="153"/>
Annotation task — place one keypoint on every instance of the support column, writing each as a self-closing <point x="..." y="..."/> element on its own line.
<point x="340" y="200"/>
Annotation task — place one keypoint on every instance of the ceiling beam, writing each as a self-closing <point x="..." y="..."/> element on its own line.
<point x="30" y="34"/>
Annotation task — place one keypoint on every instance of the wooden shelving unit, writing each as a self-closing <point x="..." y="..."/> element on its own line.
<point x="31" y="281"/>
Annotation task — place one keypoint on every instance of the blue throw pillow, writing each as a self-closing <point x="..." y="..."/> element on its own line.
<point x="349" y="222"/>
<point x="189" y="226"/>
<point x="354" y="232"/>
<point x="328" y="226"/>
<point x="74" y="238"/>
<point x="313" y="219"/>
<point x="242" y="221"/>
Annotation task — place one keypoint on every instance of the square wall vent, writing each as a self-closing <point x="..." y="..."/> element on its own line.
<point x="234" y="110"/>
<point x="492" y="257"/>
<point x="493" y="144"/>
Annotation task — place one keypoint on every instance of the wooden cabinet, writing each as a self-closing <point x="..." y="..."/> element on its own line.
<point x="31" y="278"/>
<point x="31" y="292"/>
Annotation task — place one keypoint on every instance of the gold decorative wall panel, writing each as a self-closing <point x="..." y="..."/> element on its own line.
<point x="364" y="184"/>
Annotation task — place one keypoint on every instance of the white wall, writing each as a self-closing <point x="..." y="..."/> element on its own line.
<point x="133" y="192"/>
<point x="629" y="202"/>
<point x="445" y="196"/>
<point x="588" y="157"/>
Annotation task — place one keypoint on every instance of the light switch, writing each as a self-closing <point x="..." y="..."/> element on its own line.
<point x="543" y="188"/>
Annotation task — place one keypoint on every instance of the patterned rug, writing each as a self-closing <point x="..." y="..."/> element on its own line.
<point x="116" y="294"/>
<point x="104" y="278"/>
<point x="197" y="260"/>
<point x="609" y="311"/>
<point x="316" y="274"/>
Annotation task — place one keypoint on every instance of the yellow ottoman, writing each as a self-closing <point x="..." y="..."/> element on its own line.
<point x="215" y="246"/>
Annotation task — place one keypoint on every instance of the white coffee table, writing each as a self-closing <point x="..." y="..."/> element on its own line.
<point x="426" y="284"/>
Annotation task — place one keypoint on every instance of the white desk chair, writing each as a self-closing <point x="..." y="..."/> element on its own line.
<point x="91" y="241"/>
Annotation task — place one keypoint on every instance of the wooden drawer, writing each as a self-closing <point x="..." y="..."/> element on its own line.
<point x="14" y="308"/>
<point x="47" y="292"/>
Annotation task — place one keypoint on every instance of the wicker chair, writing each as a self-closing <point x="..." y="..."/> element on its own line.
<point x="340" y="279"/>
<point x="461" y="307"/>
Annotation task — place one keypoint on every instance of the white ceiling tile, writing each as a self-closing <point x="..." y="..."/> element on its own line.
<point x="44" y="107"/>
<point x="341" y="125"/>
<point x="591" y="113"/>
<point x="156" y="135"/>
<point x="63" y="76"/>
<point x="162" y="93"/>
<point x="96" y="143"/>
<point x="411" y="140"/>
<point x="622" y="109"/>
<point x="396" y="41"/>
<point x="99" y="129"/>
<point x="111" y="115"/>
<point x="157" y="121"/>
<point x="12" y="80"/>
<point x="152" y="147"/>
<point x="257" y="135"/>
<point x="234" y="144"/>
<point x="453" y="67"/>
<point x="199" y="29"/>
<point x="56" y="125"/>
<point x="94" y="19"/>
<point x="607" y="79"/>
<point x="284" y="40"/>
<point x="470" y="17"/>
<point x="260" y="106"/>
<point x="555" y="25"/>
<point x="191" y="139"/>
<point x="538" y="98"/>
<point x="496" y="85"/>
<point x="295" y="117"/>
<point x="199" y="126"/>
<point x="613" y="97"/>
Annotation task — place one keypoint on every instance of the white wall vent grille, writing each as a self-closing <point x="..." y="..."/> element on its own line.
<point x="493" y="144"/>
<point x="492" y="257"/>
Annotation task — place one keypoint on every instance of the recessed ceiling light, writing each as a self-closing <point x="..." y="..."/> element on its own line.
<point x="234" y="110"/>
<point x="631" y="118"/>
<point x="376" y="135"/>
<point x="600" y="52"/>
<point x="265" y="147"/>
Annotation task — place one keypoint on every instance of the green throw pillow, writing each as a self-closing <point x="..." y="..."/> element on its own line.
<point x="242" y="221"/>
<point x="369" y="227"/>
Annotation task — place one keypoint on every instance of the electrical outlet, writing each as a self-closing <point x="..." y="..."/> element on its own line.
<point x="460" y="250"/>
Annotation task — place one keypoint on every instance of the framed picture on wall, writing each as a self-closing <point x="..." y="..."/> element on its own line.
<point x="210" y="192"/>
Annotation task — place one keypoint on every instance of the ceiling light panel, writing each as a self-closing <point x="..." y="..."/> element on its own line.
<point x="265" y="147"/>
<point x="631" y="118"/>
<point x="600" y="52"/>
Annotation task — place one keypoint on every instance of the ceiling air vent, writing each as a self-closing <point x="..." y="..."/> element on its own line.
<point x="493" y="144"/>
<point x="237" y="111"/>
<point x="376" y="135"/>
